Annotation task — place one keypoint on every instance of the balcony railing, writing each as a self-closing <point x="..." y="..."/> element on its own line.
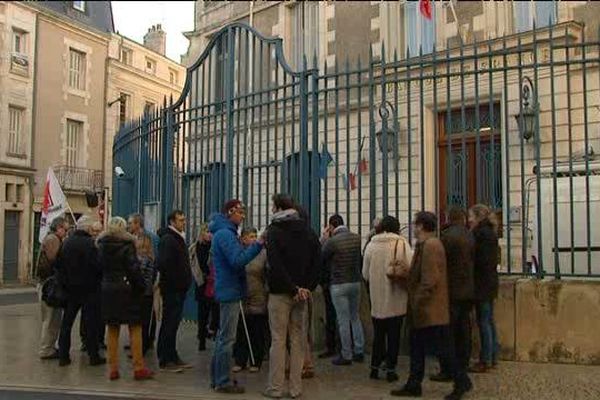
<point x="79" y="179"/>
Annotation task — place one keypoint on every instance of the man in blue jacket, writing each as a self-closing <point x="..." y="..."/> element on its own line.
<point x="230" y="259"/>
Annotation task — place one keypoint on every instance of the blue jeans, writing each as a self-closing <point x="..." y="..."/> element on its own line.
<point x="167" y="337"/>
<point x="346" y="300"/>
<point x="487" y="332"/>
<point x="221" y="361"/>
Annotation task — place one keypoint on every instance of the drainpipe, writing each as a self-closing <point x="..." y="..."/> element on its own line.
<point x="31" y="180"/>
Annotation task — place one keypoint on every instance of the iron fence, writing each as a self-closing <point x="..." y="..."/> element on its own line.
<point x="509" y="122"/>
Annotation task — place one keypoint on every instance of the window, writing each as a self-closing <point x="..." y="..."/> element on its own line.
<point x="79" y="5"/>
<point x="173" y="77"/>
<point x="419" y="31"/>
<point x="150" y="66"/>
<point x="77" y="67"/>
<point x="416" y="30"/>
<point x="19" y="42"/>
<point x="305" y="32"/>
<point x="126" y="56"/>
<point x="15" y="130"/>
<point x="74" y="140"/>
<point x="124" y="106"/>
<point x="543" y="13"/>
<point x="149" y="108"/>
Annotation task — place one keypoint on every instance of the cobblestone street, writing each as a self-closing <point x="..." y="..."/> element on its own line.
<point x="21" y="370"/>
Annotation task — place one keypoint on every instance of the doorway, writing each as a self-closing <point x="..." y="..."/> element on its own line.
<point x="11" y="247"/>
<point x="470" y="167"/>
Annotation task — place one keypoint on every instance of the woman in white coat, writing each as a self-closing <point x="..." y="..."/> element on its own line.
<point x="388" y="298"/>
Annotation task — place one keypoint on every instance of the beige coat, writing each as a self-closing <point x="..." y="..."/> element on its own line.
<point x="428" y="285"/>
<point x="388" y="299"/>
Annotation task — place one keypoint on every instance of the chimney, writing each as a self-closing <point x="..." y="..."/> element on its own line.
<point x="156" y="39"/>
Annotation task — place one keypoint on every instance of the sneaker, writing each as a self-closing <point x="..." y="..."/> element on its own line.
<point x="230" y="389"/>
<point x="308" y="374"/>
<point x="236" y="369"/>
<point x="479" y="368"/>
<point x="254" y="370"/>
<point x="182" y="364"/>
<point x="341" y="361"/>
<point x="359" y="358"/>
<point x="64" y="362"/>
<point x="374" y="374"/>
<point x="171" y="367"/>
<point x="143" y="375"/>
<point x="407" y="391"/>
<point x="271" y="394"/>
<point x="440" y="377"/>
<point x="391" y="376"/>
<point x="114" y="375"/>
<point x="53" y="356"/>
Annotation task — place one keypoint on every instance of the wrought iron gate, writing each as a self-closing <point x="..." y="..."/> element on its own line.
<point x="385" y="136"/>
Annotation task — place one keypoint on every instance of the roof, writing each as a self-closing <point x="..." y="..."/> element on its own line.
<point x="97" y="14"/>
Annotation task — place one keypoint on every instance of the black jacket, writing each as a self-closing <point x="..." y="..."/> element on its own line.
<point x="77" y="265"/>
<point x="459" y="262"/>
<point x="342" y="260"/>
<point x="293" y="255"/>
<point x="173" y="262"/>
<point x="485" y="261"/>
<point x="122" y="280"/>
<point x="202" y="254"/>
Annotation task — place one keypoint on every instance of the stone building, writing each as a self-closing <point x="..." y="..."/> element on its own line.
<point x="140" y="78"/>
<point x="68" y="83"/>
<point x="435" y="168"/>
<point x="70" y="99"/>
<point x="18" y="37"/>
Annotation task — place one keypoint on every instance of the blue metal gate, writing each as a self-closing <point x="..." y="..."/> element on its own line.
<point x="387" y="135"/>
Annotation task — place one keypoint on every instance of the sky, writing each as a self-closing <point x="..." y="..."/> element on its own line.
<point x="133" y="18"/>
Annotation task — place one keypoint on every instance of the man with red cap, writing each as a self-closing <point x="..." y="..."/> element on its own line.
<point x="230" y="259"/>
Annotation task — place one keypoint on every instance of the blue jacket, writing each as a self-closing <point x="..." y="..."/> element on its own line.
<point x="230" y="259"/>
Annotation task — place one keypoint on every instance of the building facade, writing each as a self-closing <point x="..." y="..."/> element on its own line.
<point x="70" y="99"/>
<point x="454" y="85"/>
<point x="140" y="79"/>
<point x="18" y="37"/>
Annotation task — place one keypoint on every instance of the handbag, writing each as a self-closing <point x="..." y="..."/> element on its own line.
<point x="398" y="270"/>
<point x="53" y="293"/>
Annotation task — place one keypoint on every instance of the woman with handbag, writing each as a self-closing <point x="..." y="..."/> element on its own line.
<point x="386" y="265"/>
<point x="123" y="289"/>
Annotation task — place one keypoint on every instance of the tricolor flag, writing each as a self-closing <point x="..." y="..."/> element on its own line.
<point x="54" y="205"/>
<point x="425" y="8"/>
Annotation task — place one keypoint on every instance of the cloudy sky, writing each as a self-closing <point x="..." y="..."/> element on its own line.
<point x="133" y="18"/>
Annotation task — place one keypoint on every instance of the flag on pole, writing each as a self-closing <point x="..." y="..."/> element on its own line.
<point x="425" y="9"/>
<point x="326" y="160"/>
<point x="54" y="205"/>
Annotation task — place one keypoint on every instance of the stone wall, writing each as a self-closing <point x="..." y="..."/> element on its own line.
<point x="542" y="321"/>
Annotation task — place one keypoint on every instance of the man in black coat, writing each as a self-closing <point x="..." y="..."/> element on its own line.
<point x="294" y="256"/>
<point x="173" y="264"/>
<point x="459" y="263"/>
<point x="79" y="272"/>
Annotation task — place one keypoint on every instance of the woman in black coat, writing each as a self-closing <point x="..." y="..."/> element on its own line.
<point x="122" y="294"/>
<point x="485" y="276"/>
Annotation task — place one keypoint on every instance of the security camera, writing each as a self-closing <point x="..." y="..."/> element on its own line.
<point x="119" y="171"/>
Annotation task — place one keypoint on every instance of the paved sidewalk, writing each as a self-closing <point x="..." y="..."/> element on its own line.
<point x="21" y="369"/>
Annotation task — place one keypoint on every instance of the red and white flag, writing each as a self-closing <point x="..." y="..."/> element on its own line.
<point x="54" y="205"/>
<point x="425" y="8"/>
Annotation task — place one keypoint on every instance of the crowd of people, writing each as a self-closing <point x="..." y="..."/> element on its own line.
<point x="255" y="294"/>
